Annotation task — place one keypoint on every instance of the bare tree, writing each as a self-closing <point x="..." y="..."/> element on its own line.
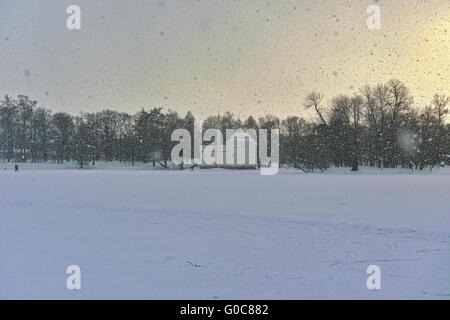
<point x="356" y="105"/>
<point x="8" y="127"/>
<point x="314" y="99"/>
<point x="63" y="128"/>
<point x="440" y="109"/>
<point x="24" y="135"/>
<point x="440" y="103"/>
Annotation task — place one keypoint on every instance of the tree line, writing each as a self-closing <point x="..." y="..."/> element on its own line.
<point x="378" y="126"/>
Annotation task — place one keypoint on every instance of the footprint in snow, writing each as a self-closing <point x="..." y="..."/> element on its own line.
<point x="193" y="264"/>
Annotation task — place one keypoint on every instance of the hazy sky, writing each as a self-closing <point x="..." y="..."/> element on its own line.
<point x="248" y="56"/>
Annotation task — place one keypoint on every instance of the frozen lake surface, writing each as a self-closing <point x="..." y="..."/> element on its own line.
<point x="223" y="234"/>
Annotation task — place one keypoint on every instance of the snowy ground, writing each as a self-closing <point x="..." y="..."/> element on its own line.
<point x="218" y="234"/>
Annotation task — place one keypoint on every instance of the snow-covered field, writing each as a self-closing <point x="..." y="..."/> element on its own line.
<point x="218" y="234"/>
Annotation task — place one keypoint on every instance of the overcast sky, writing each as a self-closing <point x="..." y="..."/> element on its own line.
<point x="248" y="56"/>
